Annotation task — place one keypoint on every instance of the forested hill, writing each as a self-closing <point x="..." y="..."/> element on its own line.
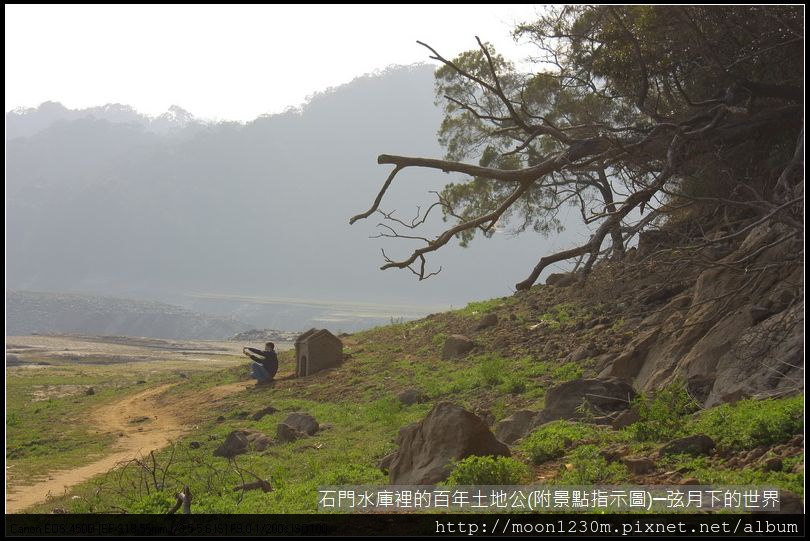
<point x="111" y="202"/>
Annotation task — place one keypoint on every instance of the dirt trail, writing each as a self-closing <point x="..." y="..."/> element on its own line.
<point x="168" y="417"/>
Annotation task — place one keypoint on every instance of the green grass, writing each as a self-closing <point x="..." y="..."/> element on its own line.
<point x="751" y="423"/>
<point x="358" y="400"/>
<point x="551" y="440"/>
<point x="488" y="470"/>
<point x="589" y="467"/>
<point x="561" y="315"/>
<point x="478" y="308"/>
<point x="47" y="409"/>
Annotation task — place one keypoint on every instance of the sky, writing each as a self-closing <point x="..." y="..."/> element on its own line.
<point x="228" y="62"/>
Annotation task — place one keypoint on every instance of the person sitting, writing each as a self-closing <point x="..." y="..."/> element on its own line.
<point x="265" y="363"/>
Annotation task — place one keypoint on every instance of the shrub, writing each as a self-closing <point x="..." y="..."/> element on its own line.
<point x="491" y="370"/>
<point x="551" y="440"/>
<point x="751" y="423"/>
<point x="663" y="414"/>
<point x="488" y="470"/>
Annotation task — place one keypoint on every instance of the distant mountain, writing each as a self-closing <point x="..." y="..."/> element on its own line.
<point x="25" y="122"/>
<point x="30" y="312"/>
<point x="102" y="201"/>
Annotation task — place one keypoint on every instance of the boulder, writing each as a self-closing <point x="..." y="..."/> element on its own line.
<point x="303" y="422"/>
<point x="448" y="433"/>
<point x="410" y="396"/>
<point x="456" y="345"/>
<point x="603" y="395"/>
<point x="696" y="445"/>
<point x="515" y="426"/>
<point x="261" y="413"/>
<point x="639" y="466"/>
<point x="90" y="391"/>
<point x="488" y="320"/>
<point x="285" y="433"/>
<point x="240" y="442"/>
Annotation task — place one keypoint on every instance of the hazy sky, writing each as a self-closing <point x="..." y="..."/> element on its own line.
<point x="227" y="62"/>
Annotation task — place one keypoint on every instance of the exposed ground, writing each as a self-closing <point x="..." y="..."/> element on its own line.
<point x="132" y="421"/>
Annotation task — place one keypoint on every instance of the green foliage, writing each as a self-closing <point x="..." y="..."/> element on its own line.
<point x="567" y="372"/>
<point x="563" y="314"/>
<point x="662" y="414"/>
<point x="514" y="384"/>
<point x="591" y="468"/>
<point x="751" y="423"/>
<point x="491" y="370"/>
<point x="708" y="472"/>
<point x="155" y="503"/>
<point x="488" y="470"/>
<point x="478" y="308"/>
<point x="438" y="339"/>
<point x="552" y="439"/>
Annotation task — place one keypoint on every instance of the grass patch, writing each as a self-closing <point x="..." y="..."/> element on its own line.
<point x="751" y="423"/>
<point x="589" y="467"/>
<point x="488" y="470"/>
<point x="551" y="440"/>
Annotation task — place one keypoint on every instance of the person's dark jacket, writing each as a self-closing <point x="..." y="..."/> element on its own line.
<point x="267" y="358"/>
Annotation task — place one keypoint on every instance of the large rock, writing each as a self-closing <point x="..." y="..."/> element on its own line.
<point x="696" y="445"/>
<point x="285" y="433"/>
<point x="240" y="442"/>
<point x="448" y="433"/>
<point x="303" y="422"/>
<point x="515" y="426"/>
<point x="456" y="345"/>
<point x="604" y="396"/>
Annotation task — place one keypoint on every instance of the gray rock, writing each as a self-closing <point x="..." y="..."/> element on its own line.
<point x="235" y="444"/>
<point x="639" y="466"/>
<point x="603" y="395"/>
<point x="269" y="410"/>
<point x="285" y="433"/>
<point x="515" y="426"/>
<point x="696" y="445"/>
<point x="303" y="422"/>
<point x="385" y="462"/>
<point x="625" y="419"/>
<point x="410" y="396"/>
<point x="240" y="442"/>
<point x="448" y="433"/>
<point x="456" y="345"/>
<point x="579" y="354"/>
<point x="488" y="320"/>
<point x="772" y="464"/>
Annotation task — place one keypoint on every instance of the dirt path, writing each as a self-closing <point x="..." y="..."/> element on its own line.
<point x="144" y="421"/>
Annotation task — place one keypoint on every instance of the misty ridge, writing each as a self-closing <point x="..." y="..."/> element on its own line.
<point x="107" y="201"/>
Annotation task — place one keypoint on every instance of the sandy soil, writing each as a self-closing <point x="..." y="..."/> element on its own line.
<point x="169" y="418"/>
